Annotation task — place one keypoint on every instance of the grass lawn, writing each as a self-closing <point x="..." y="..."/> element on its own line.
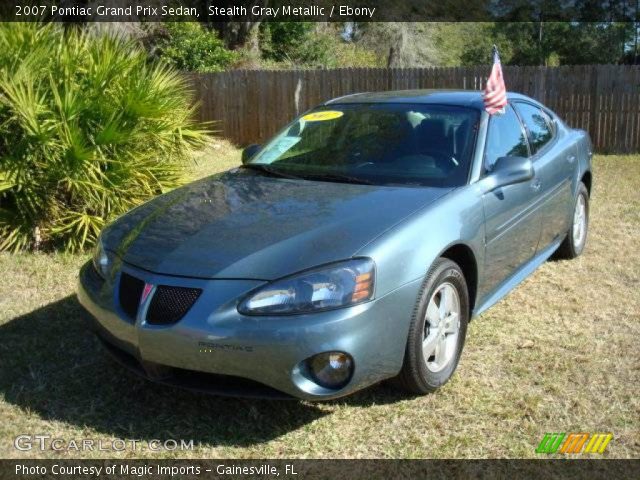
<point x="560" y="354"/>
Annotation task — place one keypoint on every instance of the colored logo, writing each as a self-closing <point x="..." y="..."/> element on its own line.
<point x="570" y="443"/>
<point x="145" y="293"/>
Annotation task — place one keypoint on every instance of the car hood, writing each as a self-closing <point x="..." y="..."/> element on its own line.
<point x="243" y="224"/>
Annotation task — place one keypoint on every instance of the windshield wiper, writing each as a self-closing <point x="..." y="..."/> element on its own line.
<point x="339" y="178"/>
<point x="261" y="167"/>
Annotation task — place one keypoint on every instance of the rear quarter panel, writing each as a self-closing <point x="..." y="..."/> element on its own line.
<point x="581" y="142"/>
<point x="584" y="154"/>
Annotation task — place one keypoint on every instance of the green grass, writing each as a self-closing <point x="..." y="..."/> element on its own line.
<point x="560" y="353"/>
<point x="219" y="155"/>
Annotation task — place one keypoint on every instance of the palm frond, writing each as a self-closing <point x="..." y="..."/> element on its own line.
<point x="84" y="118"/>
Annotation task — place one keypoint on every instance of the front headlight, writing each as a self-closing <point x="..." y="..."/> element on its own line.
<point x="102" y="260"/>
<point x="331" y="286"/>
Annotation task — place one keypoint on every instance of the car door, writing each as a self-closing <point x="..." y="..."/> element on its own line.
<point x="512" y="222"/>
<point x="553" y="162"/>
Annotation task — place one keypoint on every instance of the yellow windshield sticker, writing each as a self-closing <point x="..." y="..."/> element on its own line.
<point x="322" y="116"/>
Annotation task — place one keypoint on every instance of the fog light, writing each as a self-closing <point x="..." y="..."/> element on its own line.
<point x="330" y="369"/>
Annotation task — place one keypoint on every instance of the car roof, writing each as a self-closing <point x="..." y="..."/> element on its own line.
<point x="463" y="98"/>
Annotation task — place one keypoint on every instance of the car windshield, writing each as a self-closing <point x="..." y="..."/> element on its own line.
<point x="380" y="144"/>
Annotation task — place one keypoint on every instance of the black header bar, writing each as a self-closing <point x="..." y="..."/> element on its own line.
<point x="322" y="10"/>
<point x="594" y="469"/>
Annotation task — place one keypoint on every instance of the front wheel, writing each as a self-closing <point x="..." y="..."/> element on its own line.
<point x="438" y="329"/>
<point x="574" y="243"/>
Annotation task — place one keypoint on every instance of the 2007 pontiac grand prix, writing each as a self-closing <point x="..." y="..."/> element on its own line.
<point x="353" y="247"/>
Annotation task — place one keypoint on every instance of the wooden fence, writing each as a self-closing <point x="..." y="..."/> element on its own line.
<point x="252" y="105"/>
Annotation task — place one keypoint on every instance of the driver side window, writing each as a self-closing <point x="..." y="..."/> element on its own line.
<point x="506" y="137"/>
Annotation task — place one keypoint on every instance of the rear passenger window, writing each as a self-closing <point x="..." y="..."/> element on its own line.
<point x="506" y="138"/>
<point x="538" y="123"/>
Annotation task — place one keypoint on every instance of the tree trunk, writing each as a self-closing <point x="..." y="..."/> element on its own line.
<point x="238" y="34"/>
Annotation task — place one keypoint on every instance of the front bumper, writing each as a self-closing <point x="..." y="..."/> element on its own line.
<point x="213" y="338"/>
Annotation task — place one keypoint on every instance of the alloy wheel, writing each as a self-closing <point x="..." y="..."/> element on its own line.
<point x="442" y="327"/>
<point x="580" y="221"/>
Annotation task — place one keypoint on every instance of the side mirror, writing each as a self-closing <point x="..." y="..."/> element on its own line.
<point x="509" y="171"/>
<point x="249" y="152"/>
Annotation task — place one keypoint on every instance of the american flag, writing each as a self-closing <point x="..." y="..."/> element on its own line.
<point x="495" y="94"/>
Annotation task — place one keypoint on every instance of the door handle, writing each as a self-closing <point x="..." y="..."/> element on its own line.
<point x="571" y="158"/>
<point x="535" y="186"/>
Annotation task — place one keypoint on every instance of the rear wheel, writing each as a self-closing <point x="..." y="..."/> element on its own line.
<point x="438" y="329"/>
<point x="573" y="244"/>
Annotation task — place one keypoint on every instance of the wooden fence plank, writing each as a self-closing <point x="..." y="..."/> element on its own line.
<point x="251" y="105"/>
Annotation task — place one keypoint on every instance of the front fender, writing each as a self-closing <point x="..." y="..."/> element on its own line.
<point x="405" y="253"/>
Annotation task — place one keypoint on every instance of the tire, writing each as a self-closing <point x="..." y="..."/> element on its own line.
<point x="420" y="375"/>
<point x="573" y="244"/>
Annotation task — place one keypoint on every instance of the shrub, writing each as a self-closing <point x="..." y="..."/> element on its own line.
<point x="189" y="46"/>
<point x="311" y="45"/>
<point x="282" y="40"/>
<point x="89" y="128"/>
<point x="293" y="42"/>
